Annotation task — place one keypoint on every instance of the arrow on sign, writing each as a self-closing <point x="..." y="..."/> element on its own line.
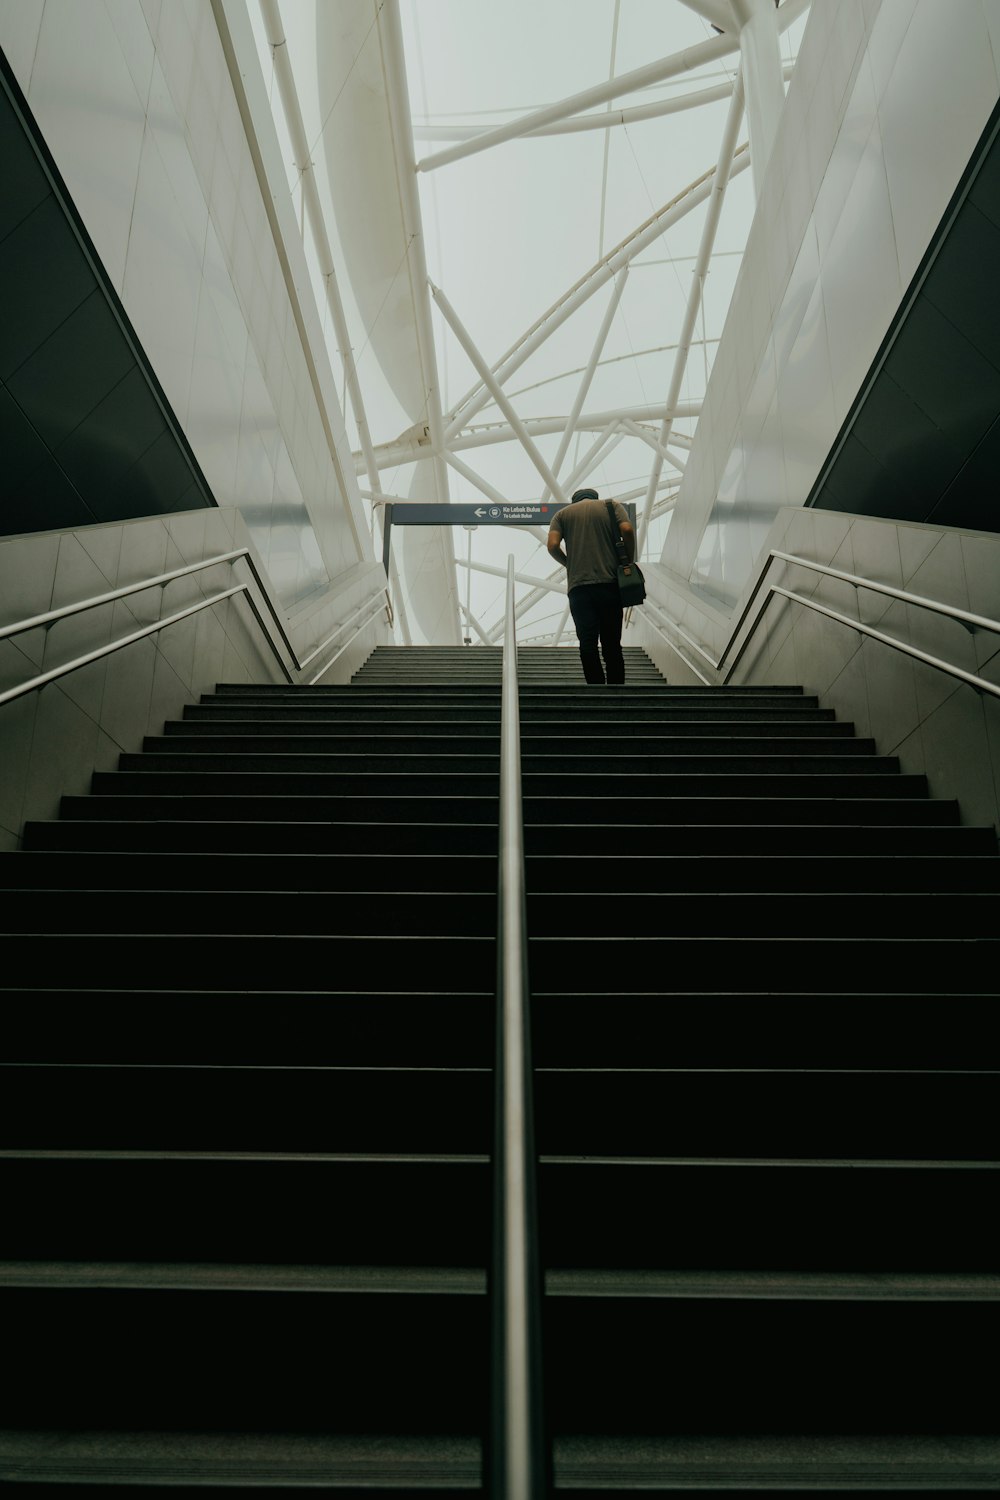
<point x="480" y="512"/>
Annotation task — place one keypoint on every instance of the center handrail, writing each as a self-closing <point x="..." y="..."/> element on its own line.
<point x="518" y="1460"/>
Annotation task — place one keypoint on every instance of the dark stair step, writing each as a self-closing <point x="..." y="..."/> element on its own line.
<point x="258" y="961"/>
<point x="595" y="965"/>
<point x="183" y="835"/>
<point x="651" y="814"/>
<point x="867" y="829"/>
<point x="462" y="806"/>
<point x="246" y="1359"/>
<point x="597" y="713"/>
<point x="768" y="913"/>
<point x="719" y="699"/>
<point x="354" y="912"/>
<point x="434" y="1028"/>
<point x="762" y="1028"/>
<point x="892" y="965"/>
<point x="649" y="913"/>
<point x="321" y="1209"/>
<point x="765" y="1368"/>
<point x="346" y="761"/>
<point x="437" y="1466"/>
<point x="856" y="779"/>
<point x="761" y="872"/>
<point x="808" y="799"/>
<point x="406" y="871"/>
<point x="637" y="747"/>
<point x="762" y="1215"/>
<point x="387" y="872"/>
<point x="257" y="1109"/>
<point x="206" y="720"/>
<point x="483" y="718"/>
<point x="634" y="1113"/>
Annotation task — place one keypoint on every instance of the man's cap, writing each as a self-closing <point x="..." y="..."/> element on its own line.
<point x="584" y="495"/>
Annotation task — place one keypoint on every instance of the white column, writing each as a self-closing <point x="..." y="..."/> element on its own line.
<point x="763" y="79"/>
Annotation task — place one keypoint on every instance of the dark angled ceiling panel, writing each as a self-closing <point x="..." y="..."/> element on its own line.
<point x="922" y="441"/>
<point x="87" y="434"/>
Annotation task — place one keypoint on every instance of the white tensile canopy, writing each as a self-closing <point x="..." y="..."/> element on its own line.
<point x="525" y="224"/>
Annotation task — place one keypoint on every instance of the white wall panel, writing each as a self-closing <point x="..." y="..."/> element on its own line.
<point x="885" y="107"/>
<point x="934" y="104"/>
<point x="94" y="119"/>
<point x="137" y="105"/>
<point x="20" y="23"/>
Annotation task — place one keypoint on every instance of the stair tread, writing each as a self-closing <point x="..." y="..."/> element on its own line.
<point x="452" y="1463"/>
<point x="295" y="1104"/>
<point x="471" y="1281"/>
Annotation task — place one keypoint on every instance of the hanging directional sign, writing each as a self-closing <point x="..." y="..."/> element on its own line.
<point x="486" y="513"/>
<point x="509" y="513"/>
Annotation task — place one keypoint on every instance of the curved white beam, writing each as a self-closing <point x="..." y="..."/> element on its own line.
<point x="397" y="94"/>
<point x="476" y="625"/>
<point x="600" y="93"/>
<point x="392" y="455"/>
<point x="485" y="374"/>
<point x="640" y="239"/>
<point x="477" y="480"/>
<point x="528" y="602"/>
<point x="547" y="584"/>
<point x="607" y="441"/>
<point x="647" y="437"/>
<point x="716" y="12"/>
<point x="588" y="374"/>
<point x="720" y="183"/>
<point x="275" y="29"/>
<point x="634" y="115"/>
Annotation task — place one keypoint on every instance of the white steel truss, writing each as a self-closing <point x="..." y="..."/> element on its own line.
<point x="644" y="431"/>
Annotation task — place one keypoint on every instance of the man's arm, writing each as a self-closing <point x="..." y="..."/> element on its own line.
<point x="628" y="537"/>
<point x="554" y="545"/>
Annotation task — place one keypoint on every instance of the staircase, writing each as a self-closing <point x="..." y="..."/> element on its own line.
<point x="247" y="1102"/>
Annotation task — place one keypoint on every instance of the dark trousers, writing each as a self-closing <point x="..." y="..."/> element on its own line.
<point x="597" y="614"/>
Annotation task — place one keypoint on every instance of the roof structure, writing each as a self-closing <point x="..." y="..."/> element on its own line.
<point x="525" y="224"/>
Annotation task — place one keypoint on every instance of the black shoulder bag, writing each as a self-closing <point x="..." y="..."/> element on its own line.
<point x="631" y="584"/>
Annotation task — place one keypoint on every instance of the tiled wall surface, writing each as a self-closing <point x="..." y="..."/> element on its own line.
<point x="136" y="104"/>
<point x="935" y="723"/>
<point x="884" y="110"/>
<point x="85" y="433"/>
<point x="52" y="738"/>
<point x="923" y="441"/>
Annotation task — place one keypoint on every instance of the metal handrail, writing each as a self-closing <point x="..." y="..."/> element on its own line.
<point x="160" y="580"/>
<point x="379" y="605"/>
<point x="518" y="1458"/>
<point x="971" y="621"/>
<point x="649" y="606"/>
<point x="965" y="617"/>
<point x="979" y="683"/>
<point x="138" y="635"/>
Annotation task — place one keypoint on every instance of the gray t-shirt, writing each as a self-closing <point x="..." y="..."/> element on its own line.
<point x="590" y="546"/>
